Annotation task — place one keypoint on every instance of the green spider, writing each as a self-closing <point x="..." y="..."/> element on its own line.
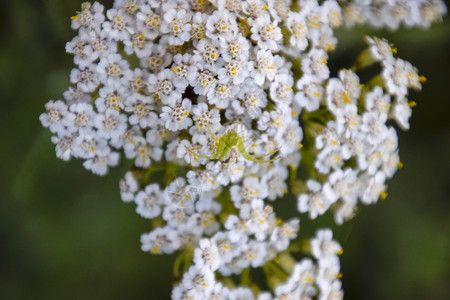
<point x="228" y="148"/>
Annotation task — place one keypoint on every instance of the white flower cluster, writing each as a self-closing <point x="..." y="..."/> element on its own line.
<point x="359" y="132"/>
<point x="393" y="13"/>
<point x="207" y="92"/>
<point x="306" y="281"/>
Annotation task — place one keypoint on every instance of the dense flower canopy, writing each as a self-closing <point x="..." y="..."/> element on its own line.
<point x="228" y="99"/>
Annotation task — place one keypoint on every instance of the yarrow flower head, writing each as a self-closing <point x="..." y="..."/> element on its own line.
<point x="218" y="104"/>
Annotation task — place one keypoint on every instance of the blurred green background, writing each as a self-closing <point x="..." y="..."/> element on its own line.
<point x="65" y="233"/>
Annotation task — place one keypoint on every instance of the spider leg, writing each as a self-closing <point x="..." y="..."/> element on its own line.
<point x="263" y="155"/>
<point x="252" y="158"/>
<point x="258" y="155"/>
<point x="199" y="155"/>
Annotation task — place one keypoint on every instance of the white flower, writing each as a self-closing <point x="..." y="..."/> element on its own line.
<point x="86" y="79"/>
<point x="221" y="94"/>
<point x="286" y="291"/>
<point x="219" y="292"/>
<point x="297" y="26"/>
<point x="86" y="143"/>
<point x="91" y="16"/>
<point x="233" y="71"/>
<point x="141" y="108"/>
<point x="266" y="66"/>
<point x="303" y="273"/>
<point x="103" y="159"/>
<point x="81" y="48"/>
<point x="84" y="116"/>
<point x="341" y="184"/>
<point x="337" y="96"/>
<point x="325" y="40"/>
<point x="63" y="145"/>
<point x="111" y="97"/>
<point x="203" y="179"/>
<point x="111" y="125"/>
<point x="309" y="93"/>
<point x="176" y="23"/>
<point x="259" y="218"/>
<point x="178" y="195"/>
<point x="142" y="151"/>
<point x="221" y="24"/>
<point x="160" y="240"/>
<point x="205" y="81"/>
<point x="241" y="293"/>
<point x="344" y="210"/>
<point x="266" y="33"/>
<point x="402" y="112"/>
<point x="198" y="281"/>
<point x="206" y="120"/>
<point x="275" y="180"/>
<point x="252" y="99"/>
<point x="323" y="246"/>
<point x="148" y="22"/>
<point x="332" y="291"/>
<point x="396" y="12"/>
<point x="255" y="8"/>
<point x="207" y="50"/>
<point x="162" y="88"/>
<point x="282" y="235"/>
<point x="429" y="12"/>
<point x="128" y="186"/>
<point x="352" y="14"/>
<point x="207" y="255"/>
<point x="198" y="28"/>
<point x="57" y="116"/>
<point x="289" y="142"/>
<point x="111" y="69"/>
<point x="374" y="126"/>
<point x="138" y="44"/>
<point x="316" y="203"/>
<point x="315" y="64"/>
<point x="329" y="137"/>
<point x="274" y="121"/>
<point x="347" y="120"/>
<point x="251" y="189"/>
<point x="149" y="201"/>
<point x="281" y="89"/>
<point x="350" y="82"/>
<point x="312" y="12"/>
<point x="236" y="48"/>
<point x="330" y="158"/>
<point x="185" y="70"/>
<point x="177" y="118"/>
<point x="399" y="76"/>
<point x="159" y="59"/>
<point x="380" y="49"/>
<point x="136" y="79"/>
<point x="236" y="227"/>
<point x="118" y="28"/>
<point x="177" y="217"/>
<point x="197" y="146"/>
<point x="372" y="188"/>
<point x="102" y="45"/>
<point x="391" y="163"/>
<point x="76" y="95"/>
<point x="377" y="101"/>
<point x="331" y="13"/>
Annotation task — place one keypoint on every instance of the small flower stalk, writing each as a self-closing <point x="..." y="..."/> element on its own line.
<point x="223" y="106"/>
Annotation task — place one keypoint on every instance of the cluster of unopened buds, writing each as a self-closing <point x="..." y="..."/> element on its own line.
<point x="227" y="106"/>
